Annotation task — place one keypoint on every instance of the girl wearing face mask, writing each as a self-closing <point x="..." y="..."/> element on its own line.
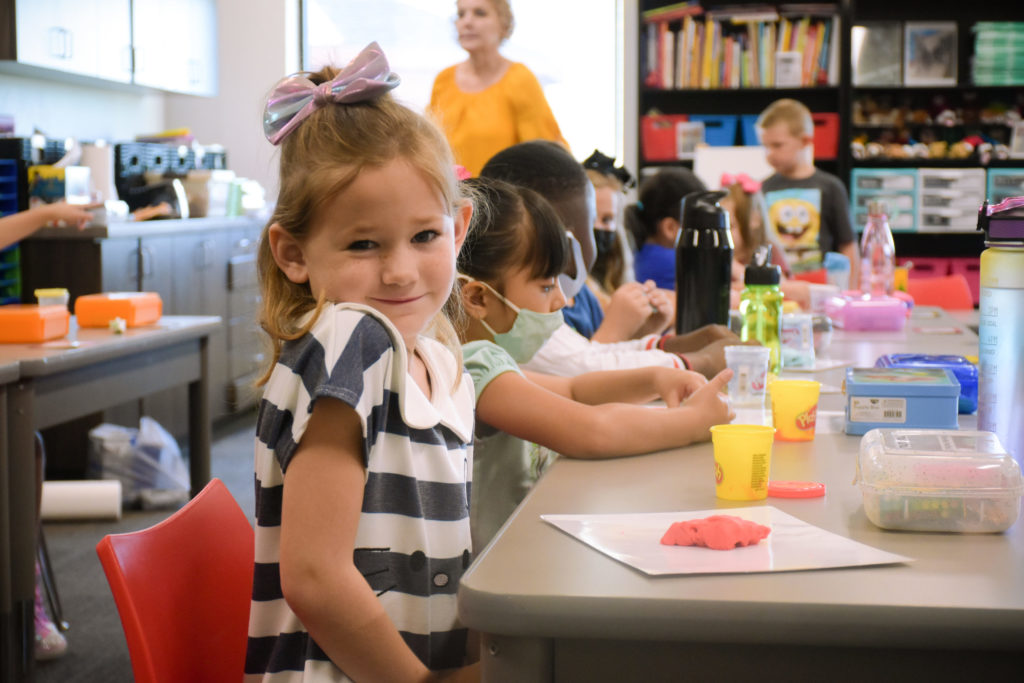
<point x="511" y="297"/>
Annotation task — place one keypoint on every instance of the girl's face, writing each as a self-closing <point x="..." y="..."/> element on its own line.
<point x="392" y="251"/>
<point x="542" y="295"/>
<point x="606" y="209"/>
<point x="479" y="27"/>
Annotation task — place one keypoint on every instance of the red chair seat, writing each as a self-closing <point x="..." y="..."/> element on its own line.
<point x="949" y="291"/>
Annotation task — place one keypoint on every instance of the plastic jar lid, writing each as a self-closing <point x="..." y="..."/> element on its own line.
<point x="795" y="489"/>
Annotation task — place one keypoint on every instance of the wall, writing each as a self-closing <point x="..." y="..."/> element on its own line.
<point x="63" y="110"/>
<point x="258" y="45"/>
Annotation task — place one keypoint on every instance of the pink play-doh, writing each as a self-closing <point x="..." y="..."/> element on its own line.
<point x="718" y="532"/>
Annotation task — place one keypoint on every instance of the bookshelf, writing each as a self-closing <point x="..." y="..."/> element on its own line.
<point x="836" y="92"/>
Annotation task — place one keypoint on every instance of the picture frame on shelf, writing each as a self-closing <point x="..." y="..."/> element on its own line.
<point x="929" y="53"/>
<point x="1017" y="141"/>
<point x="689" y="135"/>
<point x="877" y="53"/>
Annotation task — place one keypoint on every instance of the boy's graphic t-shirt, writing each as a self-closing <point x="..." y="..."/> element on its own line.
<point x="413" y="540"/>
<point x="809" y="217"/>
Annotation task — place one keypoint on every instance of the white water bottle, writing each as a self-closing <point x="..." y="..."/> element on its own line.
<point x="877" y="252"/>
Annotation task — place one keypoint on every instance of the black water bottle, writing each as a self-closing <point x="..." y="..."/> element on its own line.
<point x="703" y="262"/>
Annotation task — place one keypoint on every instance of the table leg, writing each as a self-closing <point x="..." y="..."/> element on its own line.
<point x="21" y="488"/>
<point x="199" y="430"/>
<point x="512" y="659"/>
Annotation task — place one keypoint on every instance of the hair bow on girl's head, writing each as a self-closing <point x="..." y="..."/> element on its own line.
<point x="295" y="97"/>
<point x="605" y="164"/>
<point x="749" y="185"/>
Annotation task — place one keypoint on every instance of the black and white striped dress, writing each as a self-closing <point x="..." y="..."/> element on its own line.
<point x="413" y="542"/>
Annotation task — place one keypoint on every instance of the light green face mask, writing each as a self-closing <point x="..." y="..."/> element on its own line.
<point x="529" y="331"/>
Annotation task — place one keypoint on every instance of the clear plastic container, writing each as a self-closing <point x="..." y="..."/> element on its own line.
<point x="53" y="296"/>
<point x="938" y="480"/>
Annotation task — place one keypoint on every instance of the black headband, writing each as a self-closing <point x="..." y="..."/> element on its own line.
<point x="606" y="165"/>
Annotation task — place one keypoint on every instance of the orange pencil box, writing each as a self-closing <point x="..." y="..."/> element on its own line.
<point x="31" y="323"/>
<point x="135" y="308"/>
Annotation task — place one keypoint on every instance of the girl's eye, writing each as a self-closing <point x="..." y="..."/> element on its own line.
<point x="426" y="236"/>
<point x="361" y="245"/>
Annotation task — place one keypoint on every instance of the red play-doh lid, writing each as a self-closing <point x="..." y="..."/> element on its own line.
<point x="795" y="489"/>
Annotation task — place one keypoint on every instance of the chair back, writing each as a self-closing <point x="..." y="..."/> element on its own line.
<point x="182" y="588"/>
<point x="951" y="292"/>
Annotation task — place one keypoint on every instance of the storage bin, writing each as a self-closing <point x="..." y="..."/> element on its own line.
<point x="32" y="323"/>
<point x="658" y="136"/>
<point x="748" y="129"/>
<point x="900" y="397"/>
<point x="858" y="314"/>
<point x="970" y="268"/>
<point x="938" y="480"/>
<point x="826" y="134"/>
<point x="964" y="370"/>
<point x="1003" y="183"/>
<point x="719" y="130"/>
<point x="135" y="308"/>
<point x="970" y="179"/>
<point x="925" y="266"/>
<point x="875" y="179"/>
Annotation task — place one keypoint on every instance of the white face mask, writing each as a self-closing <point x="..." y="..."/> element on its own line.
<point x="529" y="332"/>
<point x="571" y="286"/>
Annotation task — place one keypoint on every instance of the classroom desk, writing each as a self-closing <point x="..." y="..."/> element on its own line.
<point x="54" y="384"/>
<point x="551" y="608"/>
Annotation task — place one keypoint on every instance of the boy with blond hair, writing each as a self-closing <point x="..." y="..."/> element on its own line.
<point x="808" y="209"/>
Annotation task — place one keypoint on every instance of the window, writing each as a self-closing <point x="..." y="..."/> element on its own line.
<point x="574" y="47"/>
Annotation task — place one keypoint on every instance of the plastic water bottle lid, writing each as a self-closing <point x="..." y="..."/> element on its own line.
<point x="877" y="207"/>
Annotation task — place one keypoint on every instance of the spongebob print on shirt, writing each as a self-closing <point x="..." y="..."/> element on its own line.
<point x="794" y="214"/>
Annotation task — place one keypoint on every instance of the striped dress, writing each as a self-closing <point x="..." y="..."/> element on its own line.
<point x="413" y="542"/>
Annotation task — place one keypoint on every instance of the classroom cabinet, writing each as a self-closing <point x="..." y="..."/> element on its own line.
<point x="165" y="44"/>
<point x="176" y="45"/>
<point x="84" y="37"/>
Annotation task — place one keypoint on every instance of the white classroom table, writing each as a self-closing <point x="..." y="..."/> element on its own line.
<point x="551" y="608"/>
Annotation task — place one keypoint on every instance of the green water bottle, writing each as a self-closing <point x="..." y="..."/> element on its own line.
<point x="761" y="305"/>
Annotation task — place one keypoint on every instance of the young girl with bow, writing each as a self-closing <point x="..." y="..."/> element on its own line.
<point x="364" y="435"/>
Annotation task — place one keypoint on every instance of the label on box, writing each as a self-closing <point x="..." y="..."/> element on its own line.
<point x="870" y="409"/>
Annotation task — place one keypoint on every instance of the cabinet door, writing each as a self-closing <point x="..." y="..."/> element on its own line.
<point x="88" y="37"/>
<point x="119" y="265"/>
<point x="175" y="44"/>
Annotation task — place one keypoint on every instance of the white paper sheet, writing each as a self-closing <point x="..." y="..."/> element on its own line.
<point x="821" y="364"/>
<point x="635" y="540"/>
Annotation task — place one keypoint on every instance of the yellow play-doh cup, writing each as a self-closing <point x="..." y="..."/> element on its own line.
<point x="794" y="408"/>
<point x="743" y="457"/>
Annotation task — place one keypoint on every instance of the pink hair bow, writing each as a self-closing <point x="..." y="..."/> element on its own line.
<point x="749" y="185"/>
<point x="295" y="97"/>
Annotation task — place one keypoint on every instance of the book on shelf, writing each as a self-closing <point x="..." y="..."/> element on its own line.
<point x="717" y="51"/>
<point x="672" y="12"/>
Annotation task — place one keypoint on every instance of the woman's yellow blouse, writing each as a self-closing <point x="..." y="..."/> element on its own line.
<point x="481" y="124"/>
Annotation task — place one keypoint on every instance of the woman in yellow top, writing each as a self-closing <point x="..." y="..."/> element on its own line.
<point x="488" y="103"/>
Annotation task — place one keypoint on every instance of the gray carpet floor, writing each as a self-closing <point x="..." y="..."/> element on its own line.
<point x="96" y="646"/>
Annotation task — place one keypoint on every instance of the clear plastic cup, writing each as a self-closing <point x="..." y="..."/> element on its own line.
<point x="749" y="365"/>
<point x="743" y="458"/>
<point x="53" y="296"/>
<point x="795" y="408"/>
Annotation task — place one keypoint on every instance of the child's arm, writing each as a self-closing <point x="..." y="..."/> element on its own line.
<point x="18" y="226"/>
<point x="323" y="495"/>
<point x="517" y="406"/>
<point x="636" y="385"/>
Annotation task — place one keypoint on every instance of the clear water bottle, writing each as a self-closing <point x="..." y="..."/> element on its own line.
<point x="877" y="252"/>
<point x="1001" y="324"/>
<point x="761" y="305"/>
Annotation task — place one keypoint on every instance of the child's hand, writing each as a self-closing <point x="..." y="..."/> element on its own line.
<point x="673" y="386"/>
<point x="61" y="214"/>
<point x="663" y="310"/>
<point x="700" y="338"/>
<point x="711" y="405"/>
<point x="629" y="308"/>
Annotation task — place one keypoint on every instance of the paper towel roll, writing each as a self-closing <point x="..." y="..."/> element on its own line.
<point x="89" y="499"/>
<point x="100" y="159"/>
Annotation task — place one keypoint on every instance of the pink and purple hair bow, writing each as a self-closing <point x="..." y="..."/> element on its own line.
<point x="749" y="185"/>
<point x="295" y="97"/>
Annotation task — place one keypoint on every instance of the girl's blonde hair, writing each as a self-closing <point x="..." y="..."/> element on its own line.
<point x="322" y="157"/>
<point x="746" y="206"/>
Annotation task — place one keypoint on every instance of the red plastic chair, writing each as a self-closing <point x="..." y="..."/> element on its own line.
<point x="949" y="291"/>
<point x="182" y="588"/>
<point x="816" y="276"/>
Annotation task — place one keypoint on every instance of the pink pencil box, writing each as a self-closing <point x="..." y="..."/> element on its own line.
<point x="866" y="313"/>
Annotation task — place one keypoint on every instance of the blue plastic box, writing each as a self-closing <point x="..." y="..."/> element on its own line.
<point x="719" y="130"/>
<point x="964" y="370"/>
<point x="924" y="398"/>
<point x="748" y="129"/>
